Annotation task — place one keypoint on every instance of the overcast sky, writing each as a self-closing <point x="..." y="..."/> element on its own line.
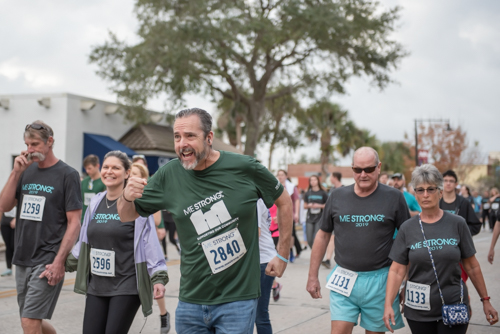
<point x="453" y="70"/>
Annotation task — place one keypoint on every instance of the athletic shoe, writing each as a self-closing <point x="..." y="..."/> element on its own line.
<point x="326" y="263"/>
<point x="276" y="291"/>
<point x="7" y="272"/>
<point x="165" y="323"/>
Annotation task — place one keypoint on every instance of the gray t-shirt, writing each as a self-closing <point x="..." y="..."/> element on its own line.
<point x="106" y="231"/>
<point x="450" y="241"/>
<point x="320" y="197"/>
<point x="58" y="189"/>
<point x="364" y="226"/>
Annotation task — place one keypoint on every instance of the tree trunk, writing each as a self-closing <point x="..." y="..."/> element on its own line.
<point x="326" y="151"/>
<point x="238" y="135"/>
<point x="273" y="141"/>
<point x="255" y="112"/>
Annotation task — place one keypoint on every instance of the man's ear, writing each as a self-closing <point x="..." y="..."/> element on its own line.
<point x="50" y="141"/>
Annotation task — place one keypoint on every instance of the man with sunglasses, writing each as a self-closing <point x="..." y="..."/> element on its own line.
<point x="364" y="217"/>
<point x="47" y="194"/>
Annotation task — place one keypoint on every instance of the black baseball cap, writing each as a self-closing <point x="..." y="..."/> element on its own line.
<point x="397" y="175"/>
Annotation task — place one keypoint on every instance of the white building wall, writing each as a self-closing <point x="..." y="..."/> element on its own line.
<point x="94" y="121"/>
<point x="66" y="119"/>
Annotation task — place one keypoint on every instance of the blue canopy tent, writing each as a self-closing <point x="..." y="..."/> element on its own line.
<point x="100" y="145"/>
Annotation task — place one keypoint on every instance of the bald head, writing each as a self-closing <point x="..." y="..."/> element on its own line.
<point x="364" y="153"/>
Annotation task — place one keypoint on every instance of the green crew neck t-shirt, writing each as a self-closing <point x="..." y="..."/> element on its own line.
<point x="89" y="189"/>
<point x="207" y="204"/>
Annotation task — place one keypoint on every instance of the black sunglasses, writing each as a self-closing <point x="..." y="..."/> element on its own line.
<point x="367" y="170"/>
<point x="35" y="126"/>
<point x="430" y="190"/>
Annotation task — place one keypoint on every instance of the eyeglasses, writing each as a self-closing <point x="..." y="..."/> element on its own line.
<point x="35" y="126"/>
<point x="367" y="170"/>
<point x="430" y="190"/>
<point x="139" y="156"/>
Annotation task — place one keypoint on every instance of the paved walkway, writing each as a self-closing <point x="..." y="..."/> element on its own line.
<point x="295" y="313"/>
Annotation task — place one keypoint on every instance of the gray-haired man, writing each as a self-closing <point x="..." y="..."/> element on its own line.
<point x="49" y="205"/>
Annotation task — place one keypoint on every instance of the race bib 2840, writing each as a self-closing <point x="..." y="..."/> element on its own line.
<point x="224" y="250"/>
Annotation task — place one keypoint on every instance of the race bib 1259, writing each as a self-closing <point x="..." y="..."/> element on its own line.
<point x="32" y="207"/>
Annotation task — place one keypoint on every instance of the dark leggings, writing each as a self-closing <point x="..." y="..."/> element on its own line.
<point x="8" y="237"/>
<point x="485" y="214"/>
<point x="109" y="315"/>
<point x="298" y="247"/>
<point x="435" y="327"/>
<point x="171" y="228"/>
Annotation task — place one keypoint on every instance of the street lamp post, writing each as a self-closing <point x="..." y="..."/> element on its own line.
<point x="430" y="120"/>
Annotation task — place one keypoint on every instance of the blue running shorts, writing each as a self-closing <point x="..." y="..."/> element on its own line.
<point x="367" y="299"/>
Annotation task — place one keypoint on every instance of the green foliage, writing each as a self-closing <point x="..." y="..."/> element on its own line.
<point x="241" y="49"/>
<point x="328" y="122"/>
<point x="395" y="156"/>
<point x="230" y="119"/>
<point x="304" y="159"/>
<point x="279" y="126"/>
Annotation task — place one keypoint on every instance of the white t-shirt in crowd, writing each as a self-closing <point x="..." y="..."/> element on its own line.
<point x="266" y="244"/>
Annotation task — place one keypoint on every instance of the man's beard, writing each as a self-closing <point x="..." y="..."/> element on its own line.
<point x="38" y="155"/>
<point x="198" y="157"/>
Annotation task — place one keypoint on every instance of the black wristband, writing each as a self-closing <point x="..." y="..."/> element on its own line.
<point x="123" y="196"/>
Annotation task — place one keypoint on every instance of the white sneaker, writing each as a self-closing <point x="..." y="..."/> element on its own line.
<point x="165" y="323"/>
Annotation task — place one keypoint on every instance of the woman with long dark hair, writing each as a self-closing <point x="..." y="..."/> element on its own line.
<point x="314" y="201"/>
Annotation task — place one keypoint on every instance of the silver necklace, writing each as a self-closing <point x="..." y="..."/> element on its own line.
<point x="116" y="200"/>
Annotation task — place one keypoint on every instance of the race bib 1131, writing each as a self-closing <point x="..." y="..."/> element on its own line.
<point x="342" y="281"/>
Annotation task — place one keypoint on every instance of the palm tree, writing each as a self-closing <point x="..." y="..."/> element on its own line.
<point x="327" y="121"/>
<point x="229" y="121"/>
<point x="277" y="125"/>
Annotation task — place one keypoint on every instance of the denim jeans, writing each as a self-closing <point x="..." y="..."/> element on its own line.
<point x="228" y="318"/>
<point x="262" y="320"/>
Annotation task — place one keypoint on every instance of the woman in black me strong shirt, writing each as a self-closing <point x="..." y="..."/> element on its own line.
<point x="314" y="201"/>
<point x="450" y="243"/>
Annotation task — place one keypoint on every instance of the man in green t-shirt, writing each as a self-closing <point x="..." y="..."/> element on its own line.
<point x="212" y="196"/>
<point x="92" y="184"/>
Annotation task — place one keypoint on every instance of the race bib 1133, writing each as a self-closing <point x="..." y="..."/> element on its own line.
<point x="418" y="296"/>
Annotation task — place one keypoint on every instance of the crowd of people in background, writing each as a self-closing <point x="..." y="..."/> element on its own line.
<point x="485" y="207"/>
<point x="113" y="223"/>
<point x="449" y="199"/>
